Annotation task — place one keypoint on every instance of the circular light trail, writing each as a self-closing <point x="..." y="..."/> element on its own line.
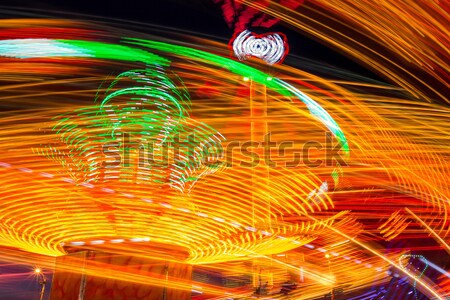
<point x="270" y="47"/>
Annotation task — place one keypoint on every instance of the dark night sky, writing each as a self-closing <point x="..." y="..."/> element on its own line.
<point x="201" y="16"/>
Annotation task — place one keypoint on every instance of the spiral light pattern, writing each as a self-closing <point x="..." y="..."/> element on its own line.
<point x="271" y="47"/>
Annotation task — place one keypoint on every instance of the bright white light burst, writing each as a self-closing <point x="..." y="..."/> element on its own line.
<point x="269" y="47"/>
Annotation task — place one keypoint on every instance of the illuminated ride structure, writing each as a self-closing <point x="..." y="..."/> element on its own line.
<point x="152" y="170"/>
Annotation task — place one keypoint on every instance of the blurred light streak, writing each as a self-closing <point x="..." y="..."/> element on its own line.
<point x="399" y="160"/>
<point x="390" y="25"/>
<point x="422" y="283"/>
<point x="436" y="267"/>
<point x="431" y="231"/>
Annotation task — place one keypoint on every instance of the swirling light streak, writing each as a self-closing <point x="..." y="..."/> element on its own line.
<point x="26" y="48"/>
<point x="399" y="160"/>
<point x="270" y="47"/>
<point x="70" y="138"/>
<point x="412" y="33"/>
<point x="423" y="284"/>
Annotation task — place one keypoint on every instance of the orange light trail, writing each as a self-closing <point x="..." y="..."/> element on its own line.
<point x="356" y="165"/>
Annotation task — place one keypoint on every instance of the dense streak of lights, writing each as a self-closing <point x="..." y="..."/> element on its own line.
<point x="234" y="219"/>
